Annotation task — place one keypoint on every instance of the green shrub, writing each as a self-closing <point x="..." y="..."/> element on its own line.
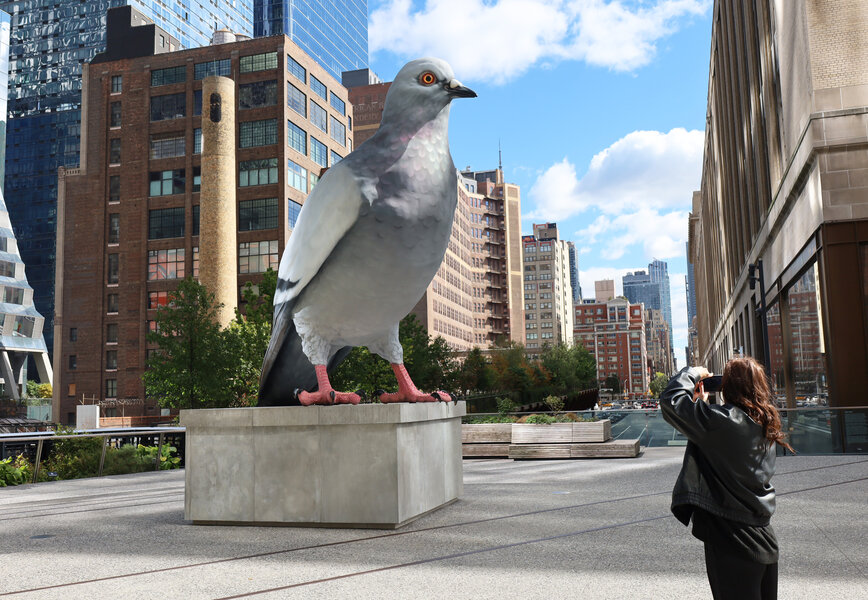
<point x="555" y="403"/>
<point x="490" y="419"/>
<point x="504" y="406"/>
<point x="15" y="471"/>
<point x="540" y="419"/>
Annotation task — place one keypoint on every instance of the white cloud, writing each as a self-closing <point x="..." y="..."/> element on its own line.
<point x="497" y="40"/>
<point x="584" y="250"/>
<point x="644" y="169"/>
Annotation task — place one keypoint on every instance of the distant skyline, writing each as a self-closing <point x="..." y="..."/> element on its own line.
<point x="599" y="108"/>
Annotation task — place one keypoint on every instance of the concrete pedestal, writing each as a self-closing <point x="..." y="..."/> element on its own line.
<point x="371" y="465"/>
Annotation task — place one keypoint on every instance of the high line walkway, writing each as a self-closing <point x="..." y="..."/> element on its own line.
<point x="585" y="529"/>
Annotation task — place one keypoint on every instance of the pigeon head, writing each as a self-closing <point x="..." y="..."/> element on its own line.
<point x="423" y="88"/>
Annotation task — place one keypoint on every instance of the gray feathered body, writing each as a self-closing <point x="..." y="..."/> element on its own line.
<point x="379" y="269"/>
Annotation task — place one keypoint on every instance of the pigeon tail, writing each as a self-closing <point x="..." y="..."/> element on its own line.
<point x="286" y="368"/>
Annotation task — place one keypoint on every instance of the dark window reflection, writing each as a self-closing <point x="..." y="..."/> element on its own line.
<point x="807" y="349"/>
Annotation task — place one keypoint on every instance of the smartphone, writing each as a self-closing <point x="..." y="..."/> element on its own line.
<point x="712" y="384"/>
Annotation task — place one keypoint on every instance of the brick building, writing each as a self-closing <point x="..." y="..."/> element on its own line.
<point x="657" y="342"/>
<point x="614" y="332"/>
<point x="548" y="310"/>
<point x="128" y="216"/>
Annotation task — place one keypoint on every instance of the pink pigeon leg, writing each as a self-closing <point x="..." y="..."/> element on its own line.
<point x="325" y="393"/>
<point x="408" y="392"/>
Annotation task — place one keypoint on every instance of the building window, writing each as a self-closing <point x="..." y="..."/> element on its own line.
<point x="197" y="103"/>
<point x="111" y="333"/>
<point x="318" y="88"/>
<point x="13" y="295"/>
<point x="257" y="214"/>
<point x="314" y="179"/>
<point x="7" y="269"/>
<point x="197" y="179"/>
<point x="166" y="223"/>
<point x="117" y="84"/>
<point x="338" y="131"/>
<point x="168" y="76"/>
<point x="334" y="157"/>
<point x="318" y="152"/>
<point x="296" y="100"/>
<point x="806" y="336"/>
<point x="294" y="67"/>
<point x="197" y="141"/>
<point x="111" y="388"/>
<point x="257" y="94"/>
<point x="338" y="104"/>
<point x="293" y="209"/>
<point x="73" y="362"/>
<point x="24" y="326"/>
<point x="221" y="67"/>
<point x="318" y="116"/>
<point x="258" y="62"/>
<point x="296" y="176"/>
<point x="115" y="114"/>
<point x="115" y="151"/>
<point x="166" y="183"/>
<point x="165" y="264"/>
<point x="195" y="220"/>
<point x="257" y="257"/>
<point x="114" y="188"/>
<point x="157" y="299"/>
<point x="73" y="334"/>
<point x="111" y="360"/>
<point x="170" y="106"/>
<point x="112" y="303"/>
<point x="258" y="133"/>
<point x="196" y="262"/>
<point x="113" y="267"/>
<point x="114" y="228"/>
<point x="257" y="172"/>
<point x="296" y="137"/>
<point x="167" y="145"/>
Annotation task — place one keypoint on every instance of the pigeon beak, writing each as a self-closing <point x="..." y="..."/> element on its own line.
<point x="456" y="90"/>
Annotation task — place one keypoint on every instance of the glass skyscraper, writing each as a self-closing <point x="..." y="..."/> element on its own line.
<point x="638" y="288"/>
<point x="49" y="43"/>
<point x="659" y="271"/>
<point x="333" y="32"/>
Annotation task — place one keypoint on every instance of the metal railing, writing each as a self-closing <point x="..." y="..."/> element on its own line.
<point x="37" y="446"/>
<point x="809" y="430"/>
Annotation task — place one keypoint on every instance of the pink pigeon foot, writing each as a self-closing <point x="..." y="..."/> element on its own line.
<point x="325" y="394"/>
<point x="408" y="392"/>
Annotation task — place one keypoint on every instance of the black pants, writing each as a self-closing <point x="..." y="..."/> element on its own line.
<point x="735" y="578"/>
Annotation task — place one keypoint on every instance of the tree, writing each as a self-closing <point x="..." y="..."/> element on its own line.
<point x="475" y="373"/>
<point x="613" y="383"/>
<point x="194" y="365"/>
<point x="569" y="368"/>
<point x="249" y="334"/>
<point x="658" y="384"/>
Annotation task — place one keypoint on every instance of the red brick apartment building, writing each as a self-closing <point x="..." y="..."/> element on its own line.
<point x="614" y="332"/>
<point x="128" y="225"/>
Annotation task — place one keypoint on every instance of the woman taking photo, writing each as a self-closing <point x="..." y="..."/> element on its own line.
<point x="724" y="485"/>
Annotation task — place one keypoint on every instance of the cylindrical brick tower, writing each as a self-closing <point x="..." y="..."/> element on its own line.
<point x="218" y="269"/>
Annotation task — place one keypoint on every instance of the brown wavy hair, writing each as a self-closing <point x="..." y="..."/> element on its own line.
<point x="745" y="384"/>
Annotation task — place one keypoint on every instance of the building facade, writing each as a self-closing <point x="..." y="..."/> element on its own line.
<point x="333" y="32"/>
<point x="368" y="97"/>
<point x="129" y="215"/>
<point x="614" y="332"/>
<point x="475" y="297"/>
<point x="657" y="343"/>
<point x="659" y="272"/>
<point x="574" y="273"/>
<point x="49" y="44"/>
<point x="784" y="189"/>
<point x="639" y="289"/>
<point x="604" y="290"/>
<point x="548" y="294"/>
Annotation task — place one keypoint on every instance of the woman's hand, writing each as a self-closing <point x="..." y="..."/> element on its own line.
<point x="699" y="392"/>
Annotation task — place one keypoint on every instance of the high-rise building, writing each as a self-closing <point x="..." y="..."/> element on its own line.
<point x="784" y="197"/>
<point x="475" y="299"/>
<point x="50" y="41"/>
<point x="368" y="97"/>
<point x="129" y="215"/>
<point x="614" y="332"/>
<point x="548" y="295"/>
<point x="639" y="289"/>
<point x="657" y="342"/>
<point x="333" y="32"/>
<point x="604" y="290"/>
<point x="659" y="272"/>
<point x="690" y="351"/>
<point x="574" y="274"/>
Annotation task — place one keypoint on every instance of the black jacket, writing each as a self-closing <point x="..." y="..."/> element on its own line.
<point x="728" y="464"/>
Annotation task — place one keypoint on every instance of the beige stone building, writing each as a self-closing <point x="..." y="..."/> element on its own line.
<point x="785" y="184"/>
<point x="657" y="342"/>
<point x="604" y="290"/>
<point x="476" y="296"/>
<point x="548" y="310"/>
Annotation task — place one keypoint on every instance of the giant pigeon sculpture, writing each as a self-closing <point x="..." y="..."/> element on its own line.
<point x="367" y="242"/>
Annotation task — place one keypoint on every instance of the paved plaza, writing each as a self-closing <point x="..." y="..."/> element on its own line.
<point x="587" y="529"/>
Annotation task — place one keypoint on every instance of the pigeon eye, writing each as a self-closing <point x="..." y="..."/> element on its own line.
<point x="427" y="78"/>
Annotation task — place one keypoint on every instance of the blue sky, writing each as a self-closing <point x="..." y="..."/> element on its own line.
<point x="599" y="108"/>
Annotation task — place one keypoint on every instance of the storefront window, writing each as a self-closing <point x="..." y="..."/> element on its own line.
<point x="807" y="348"/>
<point x="776" y="352"/>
